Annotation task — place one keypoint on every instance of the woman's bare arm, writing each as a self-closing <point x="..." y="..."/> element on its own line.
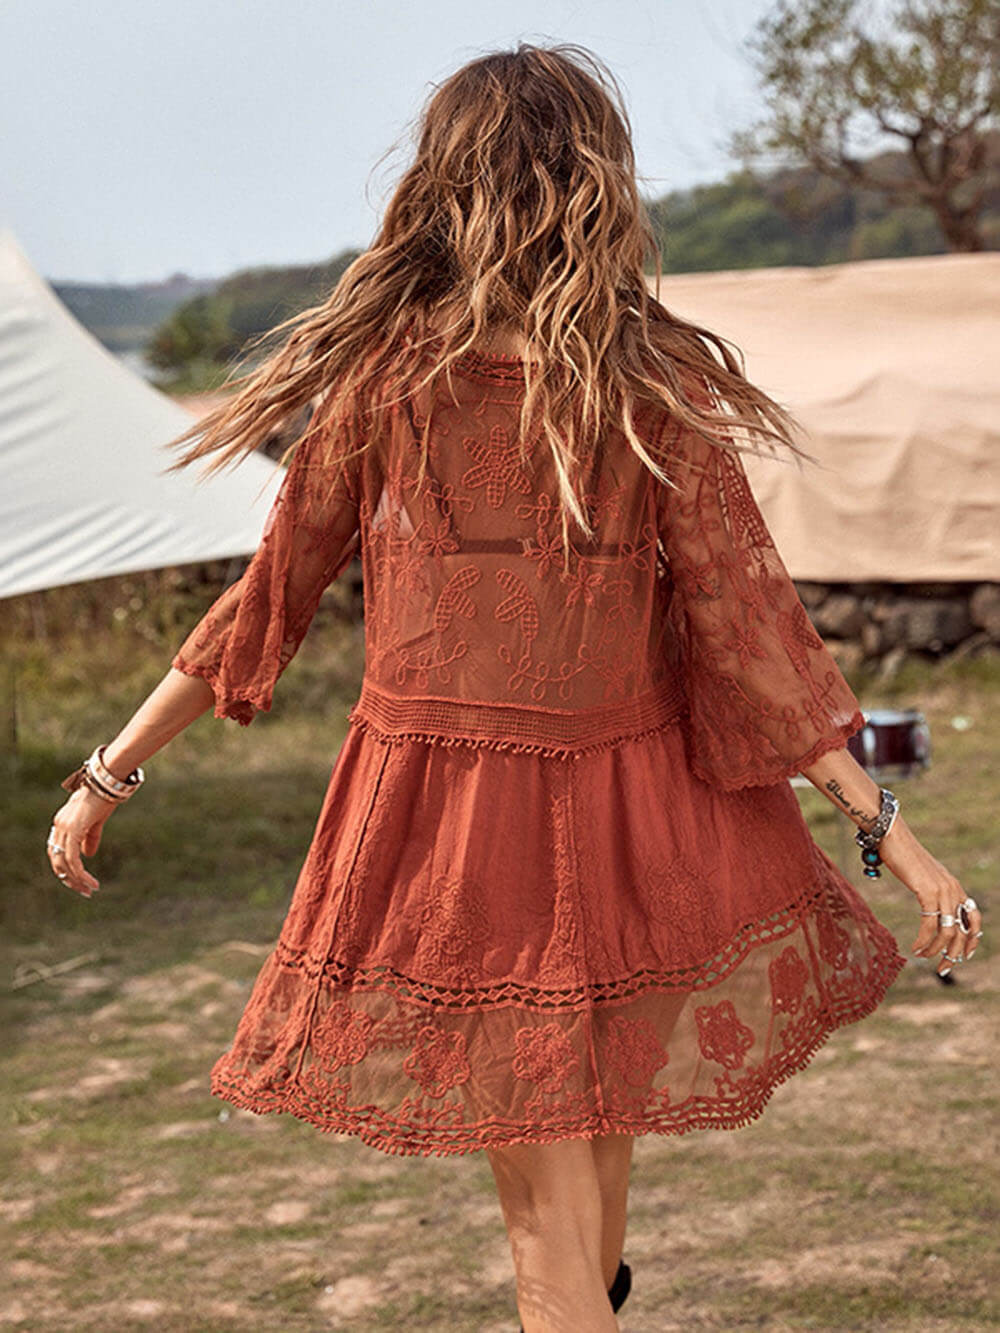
<point x="175" y="703"/>
<point x="77" y="826"/>
<point x="843" y="781"/>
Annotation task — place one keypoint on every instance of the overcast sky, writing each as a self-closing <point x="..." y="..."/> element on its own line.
<point x="143" y="137"/>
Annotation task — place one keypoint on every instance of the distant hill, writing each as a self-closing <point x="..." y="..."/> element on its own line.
<point x="125" y="317"/>
<point x="196" y="344"/>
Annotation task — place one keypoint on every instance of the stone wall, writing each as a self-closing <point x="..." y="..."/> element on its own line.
<point x="879" y="622"/>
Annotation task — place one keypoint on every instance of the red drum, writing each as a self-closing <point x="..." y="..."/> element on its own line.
<point x="892" y="743"/>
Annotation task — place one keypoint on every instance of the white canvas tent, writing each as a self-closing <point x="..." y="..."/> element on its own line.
<point x="891" y="366"/>
<point x="84" y="494"/>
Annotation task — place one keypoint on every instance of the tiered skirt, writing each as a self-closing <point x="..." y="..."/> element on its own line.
<point x="486" y="947"/>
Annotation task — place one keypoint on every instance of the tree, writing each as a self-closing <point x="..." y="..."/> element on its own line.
<point x="932" y="82"/>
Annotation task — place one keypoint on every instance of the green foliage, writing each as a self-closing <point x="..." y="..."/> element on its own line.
<point x="122" y="316"/>
<point x="835" y="76"/>
<point x="213" y="328"/>
<point x="792" y="217"/>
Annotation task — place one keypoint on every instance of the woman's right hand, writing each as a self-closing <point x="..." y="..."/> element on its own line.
<point x="937" y="891"/>
<point x="76" y="828"/>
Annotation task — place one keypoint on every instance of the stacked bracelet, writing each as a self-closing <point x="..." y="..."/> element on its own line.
<point x="868" y="840"/>
<point x="99" y="779"/>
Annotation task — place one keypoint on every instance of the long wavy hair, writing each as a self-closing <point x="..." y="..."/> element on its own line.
<point x="520" y="213"/>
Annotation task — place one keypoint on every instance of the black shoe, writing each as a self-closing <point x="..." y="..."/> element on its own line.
<point x="621" y="1286"/>
<point x="619" y="1289"/>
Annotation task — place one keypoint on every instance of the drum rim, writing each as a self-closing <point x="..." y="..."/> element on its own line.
<point x="888" y="716"/>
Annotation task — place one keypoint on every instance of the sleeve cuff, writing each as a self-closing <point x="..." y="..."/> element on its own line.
<point x="768" y="773"/>
<point x="242" y="710"/>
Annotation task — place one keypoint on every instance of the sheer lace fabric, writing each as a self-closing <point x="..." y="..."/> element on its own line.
<point x="559" y="884"/>
<point x="252" y="631"/>
<point x="766" y="697"/>
<point x="475" y="631"/>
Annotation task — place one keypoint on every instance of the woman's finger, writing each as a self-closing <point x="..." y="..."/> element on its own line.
<point x="951" y="952"/>
<point x="55" y="850"/>
<point x="941" y="944"/>
<point x="61" y="870"/>
<point x="974" y="935"/>
<point x="927" y="932"/>
<point x="64" y="858"/>
<point x="947" y="920"/>
<point x="968" y="939"/>
<point x="81" y="877"/>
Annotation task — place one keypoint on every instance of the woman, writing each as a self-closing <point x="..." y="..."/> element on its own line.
<point x="560" y="892"/>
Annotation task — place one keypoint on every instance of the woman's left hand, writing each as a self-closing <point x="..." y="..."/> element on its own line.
<point x="76" y="829"/>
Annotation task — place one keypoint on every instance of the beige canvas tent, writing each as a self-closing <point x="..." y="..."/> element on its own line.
<point x="891" y="366"/>
<point x="81" y="436"/>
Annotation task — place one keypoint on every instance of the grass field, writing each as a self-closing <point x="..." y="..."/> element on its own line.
<point x="865" y="1197"/>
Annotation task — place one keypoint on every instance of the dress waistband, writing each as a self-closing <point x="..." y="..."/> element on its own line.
<point x="519" y="728"/>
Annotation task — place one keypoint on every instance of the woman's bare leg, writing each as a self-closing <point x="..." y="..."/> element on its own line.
<point x="550" y="1197"/>
<point x="612" y="1161"/>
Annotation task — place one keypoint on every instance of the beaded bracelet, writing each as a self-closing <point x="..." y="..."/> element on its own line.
<point x="868" y="839"/>
<point x="94" y="775"/>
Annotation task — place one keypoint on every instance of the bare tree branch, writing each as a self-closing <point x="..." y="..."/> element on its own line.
<point x="932" y="83"/>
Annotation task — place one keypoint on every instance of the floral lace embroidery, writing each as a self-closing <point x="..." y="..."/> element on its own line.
<point x="725" y="1060"/>
<point x="545" y="1056"/>
<point x="341" y="1038"/>
<point x="634" y="1050"/>
<point x="721" y="1035"/>
<point x="788" y="975"/>
<point x="438" y="1061"/>
<point x="767" y="698"/>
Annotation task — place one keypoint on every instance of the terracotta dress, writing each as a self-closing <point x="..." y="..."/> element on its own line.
<point x="560" y="884"/>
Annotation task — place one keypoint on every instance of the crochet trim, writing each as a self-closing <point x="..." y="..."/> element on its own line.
<point x="439" y="721"/>
<point x="740" y="1108"/>
<point x="501" y="367"/>
<point x="702" y="975"/>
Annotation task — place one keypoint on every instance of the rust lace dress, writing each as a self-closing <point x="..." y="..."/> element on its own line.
<point x="560" y="884"/>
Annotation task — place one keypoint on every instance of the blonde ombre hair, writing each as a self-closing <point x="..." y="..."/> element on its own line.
<point x="521" y="213"/>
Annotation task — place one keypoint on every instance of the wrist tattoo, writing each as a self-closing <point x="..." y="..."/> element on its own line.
<point x="859" y="815"/>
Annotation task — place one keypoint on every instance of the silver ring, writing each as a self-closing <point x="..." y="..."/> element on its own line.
<point x="949" y="957"/>
<point x="54" y="847"/>
<point x="978" y="935"/>
<point x="62" y="874"/>
<point x="969" y="904"/>
<point x="935" y="913"/>
<point x="947" y="919"/>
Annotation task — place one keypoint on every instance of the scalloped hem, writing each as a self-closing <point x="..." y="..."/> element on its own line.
<point x="382" y="1132"/>
<point x="242" y="709"/>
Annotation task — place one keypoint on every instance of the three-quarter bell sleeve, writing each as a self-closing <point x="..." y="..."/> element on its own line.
<point x="765" y="696"/>
<point x="252" y="631"/>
